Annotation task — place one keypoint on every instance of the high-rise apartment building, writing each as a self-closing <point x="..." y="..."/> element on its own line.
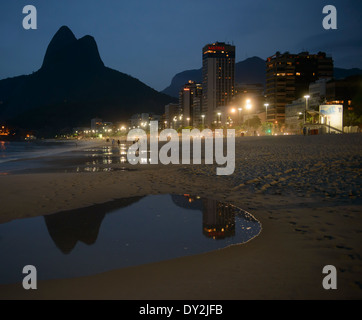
<point x="288" y="77"/>
<point x="172" y="116"/>
<point x="190" y="99"/>
<point x="218" y="73"/>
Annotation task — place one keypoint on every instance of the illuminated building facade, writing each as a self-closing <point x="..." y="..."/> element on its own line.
<point x="96" y="124"/>
<point x="172" y="116"/>
<point x="288" y="77"/>
<point x="4" y="131"/>
<point x="190" y="100"/>
<point x="345" y="91"/>
<point x="218" y="76"/>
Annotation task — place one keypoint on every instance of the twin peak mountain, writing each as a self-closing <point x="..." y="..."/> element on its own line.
<point x="71" y="87"/>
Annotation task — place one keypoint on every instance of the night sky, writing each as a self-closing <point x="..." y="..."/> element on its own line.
<point x="153" y="40"/>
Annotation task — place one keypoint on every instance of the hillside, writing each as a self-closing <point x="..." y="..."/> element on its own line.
<point x="72" y="87"/>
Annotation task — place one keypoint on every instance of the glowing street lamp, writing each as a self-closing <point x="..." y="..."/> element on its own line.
<point x="266" y="114"/>
<point x="232" y="110"/>
<point x="306" y="107"/>
<point x="203" y="119"/>
<point x="248" y="104"/>
<point x="219" y="116"/>
<point x="240" y="109"/>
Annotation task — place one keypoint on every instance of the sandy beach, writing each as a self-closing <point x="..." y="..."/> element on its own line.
<point x="305" y="191"/>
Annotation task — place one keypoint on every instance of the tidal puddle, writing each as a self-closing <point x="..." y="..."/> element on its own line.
<point x="121" y="233"/>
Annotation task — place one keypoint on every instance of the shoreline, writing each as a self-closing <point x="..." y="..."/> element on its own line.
<point x="300" y="233"/>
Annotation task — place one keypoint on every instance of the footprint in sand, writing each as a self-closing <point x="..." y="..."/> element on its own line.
<point x="300" y="230"/>
<point x="328" y="237"/>
<point x="343" y="247"/>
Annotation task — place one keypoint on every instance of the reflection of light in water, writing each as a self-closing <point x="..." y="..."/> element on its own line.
<point x="107" y="161"/>
<point x="94" y="169"/>
<point x="110" y="155"/>
<point x="2" y="145"/>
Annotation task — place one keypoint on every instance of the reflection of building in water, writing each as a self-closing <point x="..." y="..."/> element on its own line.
<point x="218" y="219"/>
<point x="69" y="227"/>
<point x="187" y="201"/>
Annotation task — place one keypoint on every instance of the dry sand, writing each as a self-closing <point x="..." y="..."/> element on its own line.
<point x="305" y="191"/>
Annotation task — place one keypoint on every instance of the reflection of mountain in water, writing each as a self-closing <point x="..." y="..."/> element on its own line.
<point x="69" y="227"/>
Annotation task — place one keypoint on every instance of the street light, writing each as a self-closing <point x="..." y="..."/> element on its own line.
<point x="240" y="109"/>
<point x="233" y="110"/>
<point x="188" y="122"/>
<point x="266" y="114"/>
<point x="306" y="107"/>
<point x="219" y="114"/>
<point x="203" y="119"/>
<point x="248" y="104"/>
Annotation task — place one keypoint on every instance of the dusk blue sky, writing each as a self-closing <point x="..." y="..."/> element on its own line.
<point x="153" y="40"/>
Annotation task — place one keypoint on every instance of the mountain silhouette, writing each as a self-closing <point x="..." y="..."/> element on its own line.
<point x="340" y="73"/>
<point x="180" y="79"/>
<point x="65" y="52"/>
<point x="67" y="228"/>
<point x="72" y="87"/>
<point x="249" y="71"/>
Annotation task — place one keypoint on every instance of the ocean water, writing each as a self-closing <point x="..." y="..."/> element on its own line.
<point x="41" y="156"/>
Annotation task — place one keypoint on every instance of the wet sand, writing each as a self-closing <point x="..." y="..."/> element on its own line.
<point x="305" y="191"/>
